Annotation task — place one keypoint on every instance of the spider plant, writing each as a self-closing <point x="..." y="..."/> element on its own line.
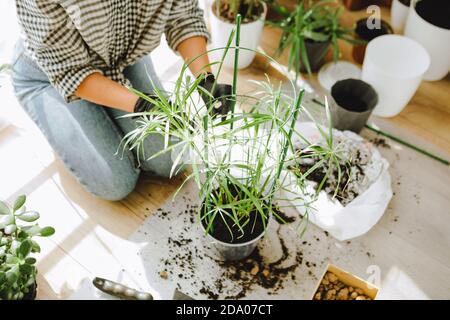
<point x="237" y="161"/>
<point x="316" y="22"/>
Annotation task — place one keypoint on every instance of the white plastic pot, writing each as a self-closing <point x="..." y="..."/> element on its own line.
<point x="249" y="38"/>
<point x="435" y="40"/>
<point x="394" y="66"/>
<point x="399" y="14"/>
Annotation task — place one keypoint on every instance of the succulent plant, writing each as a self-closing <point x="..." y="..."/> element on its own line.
<point x="18" y="270"/>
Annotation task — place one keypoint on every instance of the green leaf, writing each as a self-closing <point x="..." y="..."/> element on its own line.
<point x="4" y="209"/>
<point x="30" y="260"/>
<point x="20" y="201"/>
<point x="47" y="231"/>
<point x="26" y="269"/>
<point x="35" y="248"/>
<point x="22" y="235"/>
<point x="32" y="230"/>
<point x="29" y="216"/>
<point x="10" y="229"/>
<point x="6" y="220"/>
<point x="12" y="260"/>
<point x="11" y="276"/>
<point x="25" y="248"/>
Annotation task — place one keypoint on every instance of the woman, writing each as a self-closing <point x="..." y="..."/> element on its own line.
<point x="71" y="73"/>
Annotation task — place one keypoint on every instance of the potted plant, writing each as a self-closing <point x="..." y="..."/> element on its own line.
<point x="17" y="267"/>
<point x="429" y="24"/>
<point x="222" y="16"/>
<point x="366" y="30"/>
<point x="236" y="162"/>
<point x="309" y="31"/>
<point x="399" y="14"/>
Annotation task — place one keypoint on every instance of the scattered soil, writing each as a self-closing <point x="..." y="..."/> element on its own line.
<point x="380" y="142"/>
<point x="248" y="14"/>
<point x="281" y="217"/>
<point x="331" y="288"/>
<point x="244" y="275"/>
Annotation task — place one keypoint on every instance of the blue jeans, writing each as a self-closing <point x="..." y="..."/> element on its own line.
<point x="87" y="136"/>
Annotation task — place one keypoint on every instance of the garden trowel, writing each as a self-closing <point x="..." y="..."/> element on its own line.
<point x="126" y="293"/>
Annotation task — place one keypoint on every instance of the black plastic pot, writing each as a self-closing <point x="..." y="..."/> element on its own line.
<point x="228" y="248"/>
<point x="315" y="52"/>
<point x="31" y="295"/>
<point x="364" y="31"/>
<point x="351" y="103"/>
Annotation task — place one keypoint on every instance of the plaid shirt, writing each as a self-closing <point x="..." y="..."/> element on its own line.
<point x="71" y="39"/>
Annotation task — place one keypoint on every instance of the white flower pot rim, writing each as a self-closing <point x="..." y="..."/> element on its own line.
<point x="402" y="38"/>
<point x="423" y="20"/>
<point x="262" y="17"/>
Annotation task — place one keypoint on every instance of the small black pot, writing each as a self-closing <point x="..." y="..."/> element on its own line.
<point x="229" y="249"/>
<point x="31" y="295"/>
<point x="351" y="103"/>
<point x="364" y="32"/>
<point x="315" y="52"/>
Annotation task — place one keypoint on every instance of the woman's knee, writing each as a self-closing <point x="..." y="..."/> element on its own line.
<point x="113" y="186"/>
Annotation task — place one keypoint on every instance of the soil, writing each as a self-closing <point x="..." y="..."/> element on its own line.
<point x="226" y="230"/>
<point x="245" y="275"/>
<point x="344" y="193"/>
<point x="436" y="12"/>
<point x="281" y="217"/>
<point x="367" y="34"/>
<point x="380" y="142"/>
<point x="225" y="13"/>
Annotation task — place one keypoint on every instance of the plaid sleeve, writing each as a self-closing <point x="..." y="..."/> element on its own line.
<point x="55" y="44"/>
<point x="185" y="21"/>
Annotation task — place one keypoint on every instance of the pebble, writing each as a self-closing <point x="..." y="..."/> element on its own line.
<point x="163" y="274"/>
<point x="254" y="270"/>
<point x="332" y="278"/>
<point x="331" y="288"/>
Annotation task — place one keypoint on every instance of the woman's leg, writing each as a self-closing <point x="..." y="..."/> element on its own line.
<point x="81" y="133"/>
<point x="139" y="75"/>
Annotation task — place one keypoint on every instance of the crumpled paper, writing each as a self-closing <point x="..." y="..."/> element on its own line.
<point x="357" y="217"/>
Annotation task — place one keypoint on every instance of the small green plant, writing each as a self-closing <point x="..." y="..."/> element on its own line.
<point x="310" y="21"/>
<point x="18" y="228"/>
<point x="250" y="10"/>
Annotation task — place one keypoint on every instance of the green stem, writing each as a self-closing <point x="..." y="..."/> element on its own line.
<point x="403" y="142"/>
<point x="409" y="145"/>
<point x="286" y="144"/>
<point x="235" y="69"/>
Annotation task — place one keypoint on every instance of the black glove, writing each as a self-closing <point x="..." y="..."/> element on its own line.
<point x="143" y="105"/>
<point x="221" y="95"/>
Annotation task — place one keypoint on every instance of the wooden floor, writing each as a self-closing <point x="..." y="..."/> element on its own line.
<point x="89" y="229"/>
